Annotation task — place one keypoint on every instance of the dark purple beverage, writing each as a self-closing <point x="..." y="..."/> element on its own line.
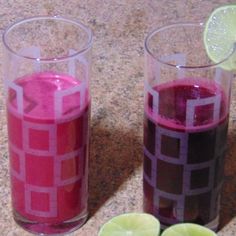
<point x="185" y="132"/>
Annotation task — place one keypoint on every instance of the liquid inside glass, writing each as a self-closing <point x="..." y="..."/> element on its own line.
<point x="48" y="145"/>
<point x="185" y="133"/>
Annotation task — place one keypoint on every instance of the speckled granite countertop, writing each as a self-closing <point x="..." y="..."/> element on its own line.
<point x="117" y="90"/>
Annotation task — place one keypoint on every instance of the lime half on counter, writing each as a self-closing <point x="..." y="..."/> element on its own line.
<point x="131" y="224"/>
<point x="188" y="229"/>
<point x="220" y="36"/>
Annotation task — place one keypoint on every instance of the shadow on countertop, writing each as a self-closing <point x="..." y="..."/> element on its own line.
<point x="115" y="154"/>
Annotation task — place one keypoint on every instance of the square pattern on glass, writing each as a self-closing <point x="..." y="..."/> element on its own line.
<point x="39" y="170"/>
<point x="166" y="207"/>
<point x="149" y="135"/>
<point x="167" y="172"/>
<point x="169" y="208"/>
<point x="18" y="201"/>
<point x="69" y="167"/>
<point x="33" y="201"/>
<point x="70" y="198"/>
<point x="199" y="178"/>
<point x="207" y="110"/>
<point x="66" y="101"/>
<point x="148" y="191"/>
<point x="69" y="135"/>
<point x="15" y="124"/>
<point x="152" y="97"/>
<point x="201" y="146"/>
<point x="170" y="146"/>
<point x="17" y="160"/>
<point x="147" y="166"/>
<point x="198" y="207"/>
<point x="39" y="139"/>
<point x="43" y="205"/>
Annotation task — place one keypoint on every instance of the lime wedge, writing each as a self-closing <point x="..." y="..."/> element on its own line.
<point x="220" y="36"/>
<point x="188" y="229"/>
<point x="131" y="224"/>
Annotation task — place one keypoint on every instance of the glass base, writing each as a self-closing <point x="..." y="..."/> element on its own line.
<point x="214" y="224"/>
<point x="39" y="228"/>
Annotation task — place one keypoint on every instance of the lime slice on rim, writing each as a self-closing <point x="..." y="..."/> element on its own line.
<point x="220" y="36"/>
<point x="131" y="224"/>
<point x="188" y="229"/>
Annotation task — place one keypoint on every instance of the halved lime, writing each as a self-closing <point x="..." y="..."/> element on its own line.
<point x="220" y="36"/>
<point x="188" y="229"/>
<point x="131" y="224"/>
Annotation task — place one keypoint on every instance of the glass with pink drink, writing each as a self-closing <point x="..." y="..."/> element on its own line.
<point x="46" y="76"/>
<point x="186" y="113"/>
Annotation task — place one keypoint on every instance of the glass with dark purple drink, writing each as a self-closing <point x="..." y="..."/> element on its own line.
<point x="186" y="115"/>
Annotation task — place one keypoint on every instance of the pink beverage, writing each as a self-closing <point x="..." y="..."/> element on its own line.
<point x="184" y="149"/>
<point x="48" y="145"/>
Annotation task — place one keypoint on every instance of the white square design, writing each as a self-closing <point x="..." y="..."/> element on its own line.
<point x="19" y="94"/>
<point x="60" y="94"/>
<point x="21" y="174"/>
<point x="193" y="103"/>
<point x="187" y="177"/>
<point x="183" y="149"/>
<point x="58" y="167"/>
<point x="179" y="208"/>
<point x="51" y="191"/>
<point x="151" y="181"/>
<point x="50" y="128"/>
<point x="155" y="96"/>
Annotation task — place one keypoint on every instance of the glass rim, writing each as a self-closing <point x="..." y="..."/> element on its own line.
<point x="86" y="29"/>
<point x="169" y="26"/>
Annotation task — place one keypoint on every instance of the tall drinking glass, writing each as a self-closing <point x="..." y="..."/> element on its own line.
<point x="46" y="76"/>
<point x="186" y="115"/>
